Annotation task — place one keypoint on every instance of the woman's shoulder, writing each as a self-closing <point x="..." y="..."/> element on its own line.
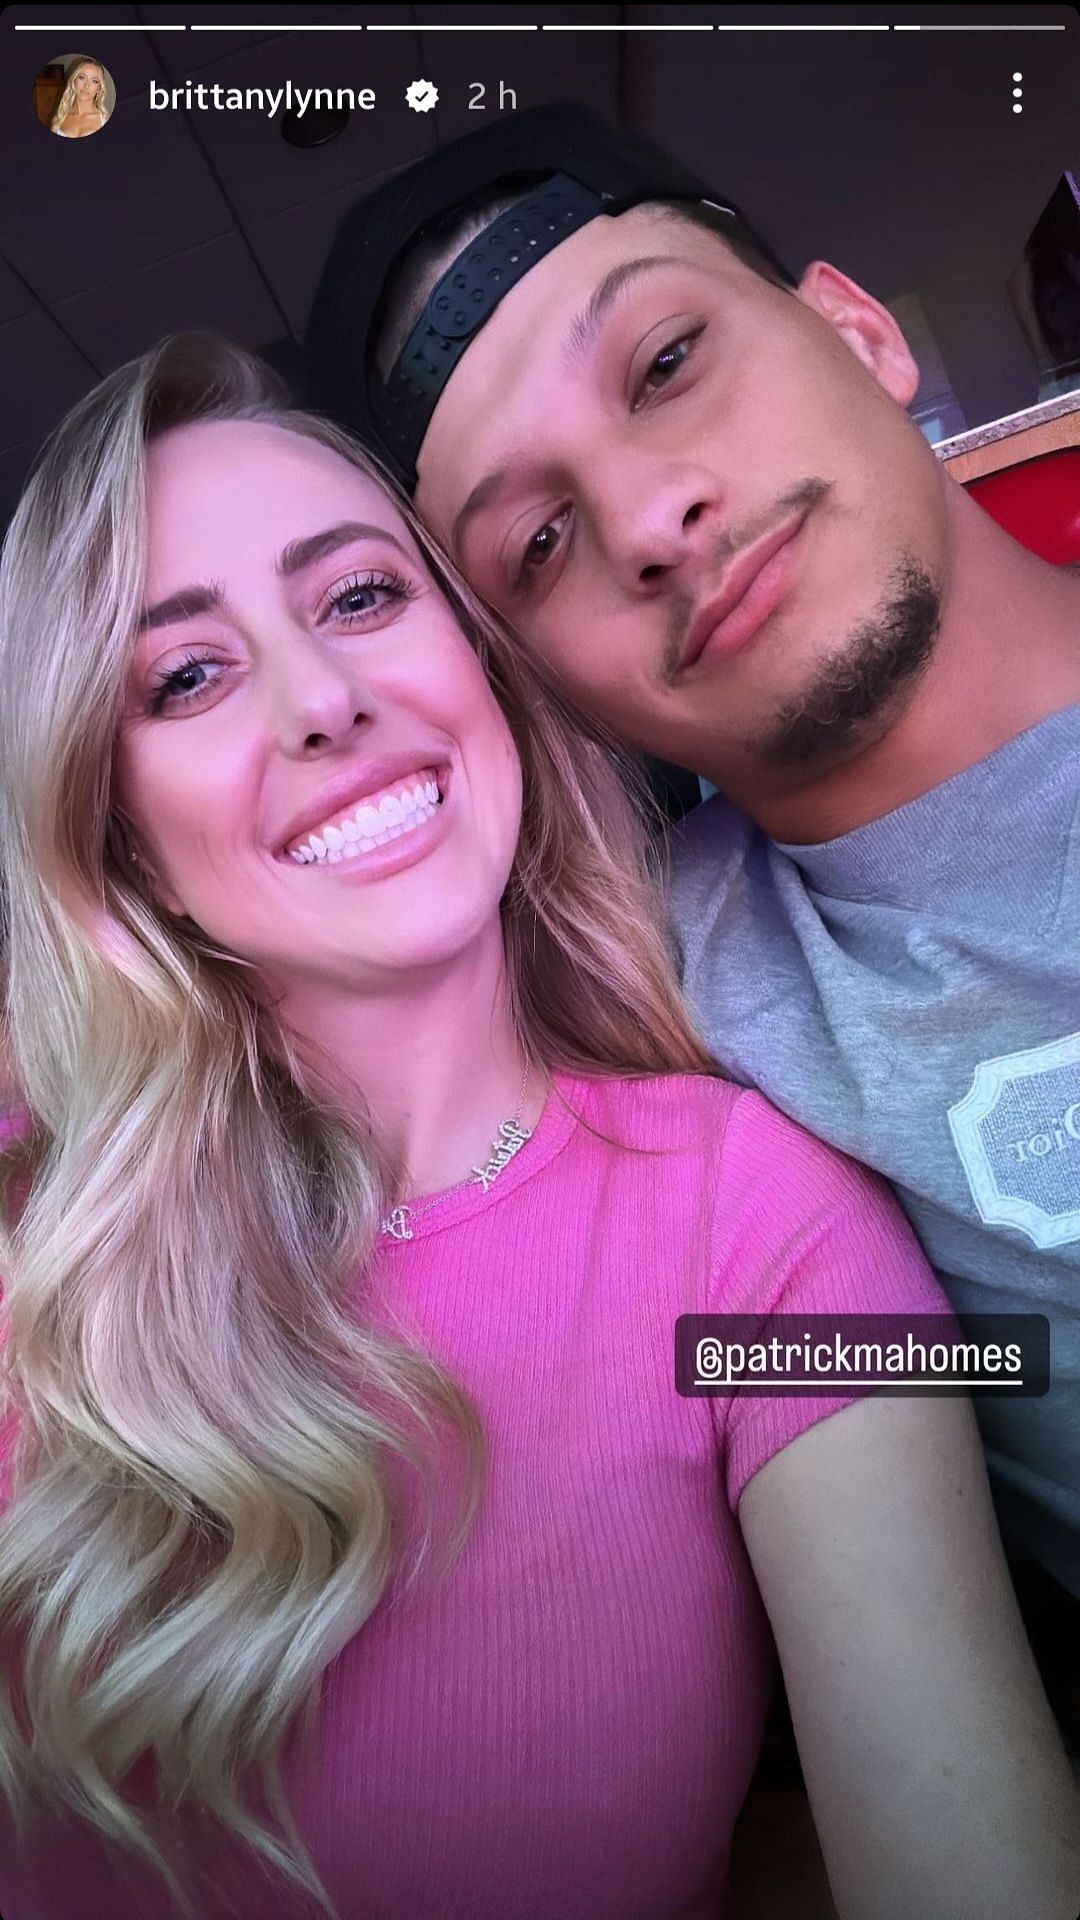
<point x="648" y="1110"/>
<point x="712" y="1110"/>
<point x="729" y="1137"/>
<point x="768" y="1177"/>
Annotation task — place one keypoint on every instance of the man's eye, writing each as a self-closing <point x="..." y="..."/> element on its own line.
<point x="664" y="366"/>
<point x="542" y="544"/>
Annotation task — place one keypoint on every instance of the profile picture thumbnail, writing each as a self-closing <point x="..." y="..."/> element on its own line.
<point x="74" y="96"/>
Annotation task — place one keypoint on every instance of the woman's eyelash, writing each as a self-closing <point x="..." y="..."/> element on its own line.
<point x="164" y="686"/>
<point x="396" y="588"/>
<point x="394" y="585"/>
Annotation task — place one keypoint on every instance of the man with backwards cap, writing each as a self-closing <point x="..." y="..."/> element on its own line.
<point x="691" y="484"/>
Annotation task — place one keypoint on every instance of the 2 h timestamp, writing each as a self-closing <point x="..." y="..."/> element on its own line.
<point x="479" y="91"/>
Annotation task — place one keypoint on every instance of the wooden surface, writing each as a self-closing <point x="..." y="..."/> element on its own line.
<point x="1005" y="443"/>
<point x="47" y="98"/>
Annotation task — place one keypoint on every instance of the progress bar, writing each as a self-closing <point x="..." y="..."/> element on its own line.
<point x="424" y="28"/>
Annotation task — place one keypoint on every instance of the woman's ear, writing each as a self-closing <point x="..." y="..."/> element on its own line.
<point x="170" y="901"/>
<point x="865" y="326"/>
<point x="143" y="872"/>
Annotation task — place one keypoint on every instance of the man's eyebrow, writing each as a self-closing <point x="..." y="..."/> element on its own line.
<point x="580" y="335"/>
<point x="191" y="601"/>
<point x="584" y="327"/>
<point x="485" y="492"/>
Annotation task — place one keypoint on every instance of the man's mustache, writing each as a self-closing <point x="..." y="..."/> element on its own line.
<point x="684" y="604"/>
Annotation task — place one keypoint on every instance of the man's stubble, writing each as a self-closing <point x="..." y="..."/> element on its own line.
<point x="862" y="684"/>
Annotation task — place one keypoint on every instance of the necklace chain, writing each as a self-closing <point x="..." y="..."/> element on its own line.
<point x="509" y="1140"/>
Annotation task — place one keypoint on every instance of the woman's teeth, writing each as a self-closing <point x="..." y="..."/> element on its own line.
<point x="397" y="813"/>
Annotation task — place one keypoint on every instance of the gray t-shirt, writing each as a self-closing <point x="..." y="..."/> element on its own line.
<point x="910" y="992"/>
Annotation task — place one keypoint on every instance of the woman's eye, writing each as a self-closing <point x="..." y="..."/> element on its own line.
<point x="170" y="686"/>
<point x="364" y="594"/>
<point x="664" y="366"/>
<point x="349" y="603"/>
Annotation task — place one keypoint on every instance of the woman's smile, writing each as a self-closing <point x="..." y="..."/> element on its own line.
<point x="383" y="833"/>
<point x="299" y="687"/>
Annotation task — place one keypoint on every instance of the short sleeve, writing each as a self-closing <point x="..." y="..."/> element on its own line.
<point x="803" y="1230"/>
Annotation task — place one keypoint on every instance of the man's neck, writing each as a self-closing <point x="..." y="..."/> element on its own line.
<point x="1007" y="655"/>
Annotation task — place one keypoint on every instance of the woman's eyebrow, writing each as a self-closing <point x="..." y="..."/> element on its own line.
<point x="191" y="601"/>
<point x="301" y="553"/>
<point x="181" y="606"/>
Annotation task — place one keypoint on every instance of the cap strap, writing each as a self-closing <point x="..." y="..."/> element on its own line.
<point x="466" y="296"/>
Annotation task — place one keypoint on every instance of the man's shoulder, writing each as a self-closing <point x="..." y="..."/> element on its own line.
<point x="706" y="851"/>
<point x="716" y="833"/>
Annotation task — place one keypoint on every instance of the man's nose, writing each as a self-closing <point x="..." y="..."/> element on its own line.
<point x="653" y="524"/>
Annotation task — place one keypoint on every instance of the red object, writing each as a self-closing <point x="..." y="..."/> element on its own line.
<point x="1038" y="502"/>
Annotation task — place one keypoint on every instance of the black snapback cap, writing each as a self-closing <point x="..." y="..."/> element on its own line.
<point x="568" y="165"/>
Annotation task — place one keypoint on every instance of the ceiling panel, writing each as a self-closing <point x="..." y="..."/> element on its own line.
<point x="93" y="211"/>
<point x="292" y="245"/>
<point x="15" y="463"/>
<point x="51" y="375"/>
<point x="260" y="172"/>
<point x="15" y="298"/>
<point x="216" y="285"/>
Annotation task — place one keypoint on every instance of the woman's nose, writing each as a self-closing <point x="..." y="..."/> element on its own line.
<point x="318" y="699"/>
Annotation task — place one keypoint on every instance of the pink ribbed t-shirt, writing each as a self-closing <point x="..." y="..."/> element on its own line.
<point x="564" y="1728"/>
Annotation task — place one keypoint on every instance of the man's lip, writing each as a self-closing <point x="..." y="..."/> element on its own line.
<point x="357" y="784"/>
<point x="738" y="580"/>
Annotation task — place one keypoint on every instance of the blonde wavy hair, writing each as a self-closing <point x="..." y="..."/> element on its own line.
<point x="202" y="1513"/>
<point x="67" y="98"/>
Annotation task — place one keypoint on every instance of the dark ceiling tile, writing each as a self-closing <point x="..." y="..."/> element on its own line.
<point x="260" y="172"/>
<point x="292" y="245"/>
<point x="215" y="286"/>
<point x="92" y="211"/>
<point x="41" y="375"/>
<point x="14" y="296"/>
<point x="14" y="468"/>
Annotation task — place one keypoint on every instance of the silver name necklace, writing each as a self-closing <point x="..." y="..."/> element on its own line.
<point x="509" y="1140"/>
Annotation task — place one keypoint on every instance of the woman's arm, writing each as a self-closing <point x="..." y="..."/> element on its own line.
<point x="934" y="1767"/>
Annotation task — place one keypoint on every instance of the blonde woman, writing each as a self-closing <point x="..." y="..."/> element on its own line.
<point x="82" y="104"/>
<point x="358" y="1557"/>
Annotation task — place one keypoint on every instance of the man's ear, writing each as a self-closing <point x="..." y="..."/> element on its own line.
<point x="864" y="325"/>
